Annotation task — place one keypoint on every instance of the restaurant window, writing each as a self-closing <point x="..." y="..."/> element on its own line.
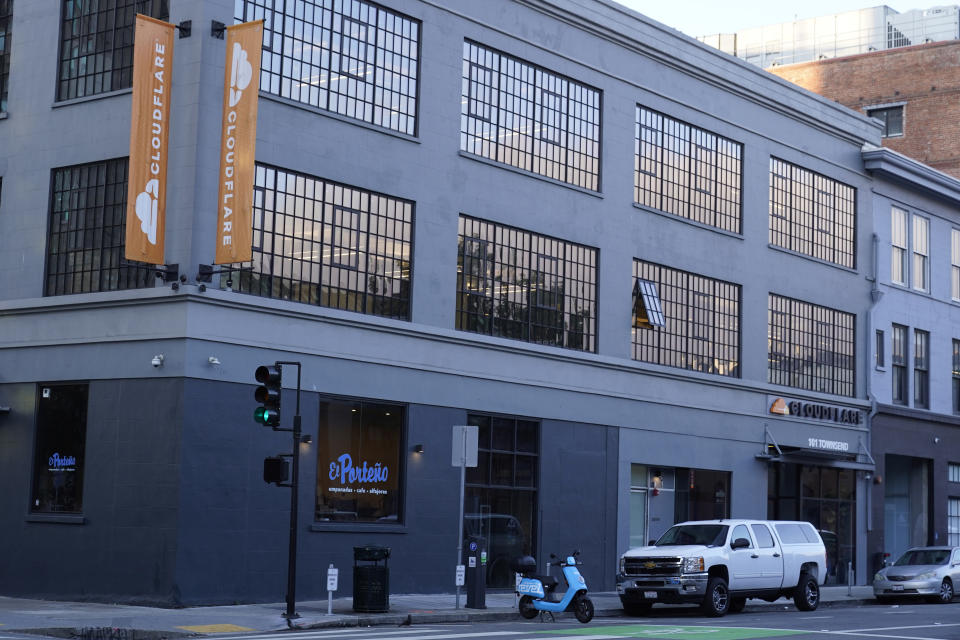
<point x="6" y="24"/>
<point x="353" y="58"/>
<point x="921" y="369"/>
<point x="96" y="44"/>
<point x="59" y="458"/>
<point x="892" y="118"/>
<point x="500" y="499"/>
<point x="687" y="171"/>
<point x="812" y="214"/>
<point x="699" y="322"/>
<point x="810" y="346"/>
<point x="898" y="362"/>
<point x="523" y="285"/>
<point x="85" y="239"/>
<point x="359" y="463"/>
<point x="329" y="244"/>
<point x="526" y="116"/>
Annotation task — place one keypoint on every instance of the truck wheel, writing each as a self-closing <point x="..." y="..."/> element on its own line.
<point x="637" y="608"/>
<point x="583" y="608"/>
<point x="807" y="594"/>
<point x="717" y="601"/>
<point x="737" y="604"/>
<point x="527" y="610"/>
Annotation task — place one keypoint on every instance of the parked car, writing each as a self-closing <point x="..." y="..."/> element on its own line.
<point x="718" y="564"/>
<point x="928" y="572"/>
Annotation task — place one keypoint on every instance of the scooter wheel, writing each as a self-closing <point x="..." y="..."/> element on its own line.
<point x="583" y="608"/>
<point x="527" y="610"/>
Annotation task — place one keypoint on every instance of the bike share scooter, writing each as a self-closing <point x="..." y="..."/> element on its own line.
<point x="538" y="593"/>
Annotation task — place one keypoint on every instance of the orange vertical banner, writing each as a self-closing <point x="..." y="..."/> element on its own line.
<point x="238" y="139"/>
<point x="149" y="133"/>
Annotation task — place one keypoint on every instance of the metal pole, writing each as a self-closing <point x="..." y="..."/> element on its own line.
<point x="463" y="477"/>
<point x="294" y="503"/>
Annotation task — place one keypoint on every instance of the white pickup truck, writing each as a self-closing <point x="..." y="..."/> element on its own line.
<point x="720" y="563"/>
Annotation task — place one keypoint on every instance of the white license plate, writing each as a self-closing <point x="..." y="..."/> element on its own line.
<point x="896" y="587"/>
<point x="650" y="595"/>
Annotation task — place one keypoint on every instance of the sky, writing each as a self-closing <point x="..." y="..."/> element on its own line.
<point x="707" y="17"/>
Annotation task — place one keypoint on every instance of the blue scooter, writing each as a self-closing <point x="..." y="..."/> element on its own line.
<point x="538" y="593"/>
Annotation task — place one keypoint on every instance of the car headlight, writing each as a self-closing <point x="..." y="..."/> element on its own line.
<point x="926" y="575"/>
<point x="622" y="563"/>
<point x="879" y="577"/>
<point x="693" y="564"/>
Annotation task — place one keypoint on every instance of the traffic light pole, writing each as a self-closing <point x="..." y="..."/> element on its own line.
<point x="294" y="504"/>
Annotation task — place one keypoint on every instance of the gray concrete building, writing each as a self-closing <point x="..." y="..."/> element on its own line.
<point x="638" y="265"/>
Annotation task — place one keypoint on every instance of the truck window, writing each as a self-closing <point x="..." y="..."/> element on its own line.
<point x="762" y="534"/>
<point x="710" y="535"/>
<point x="791" y="533"/>
<point x="740" y="531"/>
<point x="810" y="533"/>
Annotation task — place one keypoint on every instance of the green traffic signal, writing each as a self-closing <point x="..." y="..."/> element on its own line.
<point x="268" y="395"/>
<point x="266" y="417"/>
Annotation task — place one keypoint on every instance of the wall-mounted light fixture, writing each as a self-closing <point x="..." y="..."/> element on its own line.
<point x="214" y="361"/>
<point x="306" y="438"/>
<point x="418" y="448"/>
<point x="157" y="360"/>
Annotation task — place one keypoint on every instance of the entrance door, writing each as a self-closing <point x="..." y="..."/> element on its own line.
<point x="638" y="505"/>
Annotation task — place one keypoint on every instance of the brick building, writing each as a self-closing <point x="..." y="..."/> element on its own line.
<point x="912" y="89"/>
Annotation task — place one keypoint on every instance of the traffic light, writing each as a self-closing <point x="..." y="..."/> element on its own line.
<point x="268" y="395"/>
<point x="275" y="469"/>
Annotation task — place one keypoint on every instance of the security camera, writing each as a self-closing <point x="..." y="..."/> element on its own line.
<point x="157" y="361"/>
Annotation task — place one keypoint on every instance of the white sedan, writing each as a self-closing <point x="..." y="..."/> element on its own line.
<point x="929" y="572"/>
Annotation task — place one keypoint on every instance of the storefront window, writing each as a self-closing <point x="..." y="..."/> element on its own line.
<point x="61" y="442"/>
<point x="358" y="462"/>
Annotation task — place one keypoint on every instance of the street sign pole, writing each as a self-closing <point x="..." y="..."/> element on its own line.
<point x="465" y="441"/>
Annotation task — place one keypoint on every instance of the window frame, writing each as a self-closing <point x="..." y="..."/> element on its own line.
<point x="921" y="369"/>
<point x="883" y="112"/>
<point x="899" y="240"/>
<point x="6" y="38"/>
<point x="900" y="348"/>
<point x="920" y="251"/>
<point x="955" y="264"/>
<point x="45" y="394"/>
<point x="955" y="376"/>
<point x="879" y="350"/>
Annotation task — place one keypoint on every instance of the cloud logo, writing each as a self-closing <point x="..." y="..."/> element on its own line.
<point x="146" y="208"/>
<point x="780" y="407"/>
<point x="241" y="73"/>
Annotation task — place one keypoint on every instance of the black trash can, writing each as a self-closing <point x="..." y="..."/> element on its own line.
<point x="371" y="579"/>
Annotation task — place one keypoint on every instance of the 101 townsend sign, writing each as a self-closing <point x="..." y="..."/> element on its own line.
<point x="816" y="411"/>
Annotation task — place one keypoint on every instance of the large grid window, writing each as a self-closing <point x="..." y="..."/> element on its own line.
<point x="921" y="369"/>
<point x="701" y="328"/>
<point x="956" y="376"/>
<point x="812" y="214"/>
<point x="953" y="521"/>
<point x="528" y="117"/>
<point x="354" y="58"/>
<point x="898" y="362"/>
<point x="85" y="243"/>
<point x="955" y="264"/>
<point x="526" y="286"/>
<point x="329" y="244"/>
<point x="687" y="171"/>
<point x="6" y="22"/>
<point x="898" y="246"/>
<point x="96" y="44"/>
<point x="811" y="347"/>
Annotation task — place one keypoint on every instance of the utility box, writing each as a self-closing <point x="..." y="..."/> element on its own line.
<point x="475" y="560"/>
<point x="371" y="579"/>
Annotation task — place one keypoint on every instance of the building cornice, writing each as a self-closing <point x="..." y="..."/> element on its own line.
<point x="917" y="414"/>
<point x="911" y="173"/>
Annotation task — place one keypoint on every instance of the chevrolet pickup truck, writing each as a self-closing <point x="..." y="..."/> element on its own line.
<point x="718" y="564"/>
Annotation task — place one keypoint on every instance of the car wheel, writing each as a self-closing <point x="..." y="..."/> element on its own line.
<point x="946" y="592"/>
<point x="527" y="610"/>
<point x="807" y="595"/>
<point x="717" y="601"/>
<point x="737" y="604"/>
<point x="637" y="608"/>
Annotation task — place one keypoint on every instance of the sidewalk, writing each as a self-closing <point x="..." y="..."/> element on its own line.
<point x="93" y="620"/>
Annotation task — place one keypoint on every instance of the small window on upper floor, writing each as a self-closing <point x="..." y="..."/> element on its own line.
<point x="647" y="310"/>
<point x="6" y="21"/>
<point x="892" y="118"/>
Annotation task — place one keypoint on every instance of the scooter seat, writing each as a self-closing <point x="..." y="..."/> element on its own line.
<point x="549" y="582"/>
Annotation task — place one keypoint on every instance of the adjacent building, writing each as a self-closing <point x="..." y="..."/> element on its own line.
<point x="642" y="268"/>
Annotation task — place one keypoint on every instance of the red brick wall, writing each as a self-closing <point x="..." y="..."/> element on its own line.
<point x="926" y="77"/>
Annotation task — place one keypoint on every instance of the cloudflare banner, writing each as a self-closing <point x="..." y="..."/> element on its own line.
<point x="149" y="133"/>
<point x="238" y="138"/>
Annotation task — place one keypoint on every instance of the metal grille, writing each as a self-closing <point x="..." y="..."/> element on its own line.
<point x="353" y="58"/>
<point x="527" y="117"/>
<point x="651" y="566"/>
<point x="6" y="22"/>
<point x="85" y="243"/>
<point x="526" y="286"/>
<point x="812" y="214"/>
<point x="811" y="347"/>
<point x="687" y="171"/>
<point x="96" y="44"/>
<point x="329" y="244"/>
<point x="702" y="322"/>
